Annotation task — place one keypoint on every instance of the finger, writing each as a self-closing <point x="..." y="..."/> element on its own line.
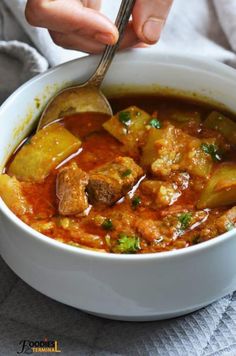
<point x="78" y="42"/>
<point x="83" y="41"/>
<point x="93" y="4"/>
<point x="130" y="38"/>
<point x="68" y="16"/>
<point x="141" y="45"/>
<point x="148" y="20"/>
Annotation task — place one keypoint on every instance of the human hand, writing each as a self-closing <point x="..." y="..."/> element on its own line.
<point x="78" y="24"/>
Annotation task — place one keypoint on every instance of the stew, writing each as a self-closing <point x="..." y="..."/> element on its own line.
<point x="159" y="175"/>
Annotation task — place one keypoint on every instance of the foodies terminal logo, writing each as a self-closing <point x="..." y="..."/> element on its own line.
<point x="35" y="346"/>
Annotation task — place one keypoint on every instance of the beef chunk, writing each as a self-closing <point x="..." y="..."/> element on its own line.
<point x="71" y="184"/>
<point x="110" y="182"/>
<point x="227" y="221"/>
<point x="149" y="229"/>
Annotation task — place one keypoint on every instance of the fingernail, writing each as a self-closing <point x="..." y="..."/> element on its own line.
<point x="142" y="45"/>
<point x="105" y="38"/>
<point x="152" y="29"/>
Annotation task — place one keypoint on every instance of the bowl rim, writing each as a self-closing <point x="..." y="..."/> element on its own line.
<point x="170" y="57"/>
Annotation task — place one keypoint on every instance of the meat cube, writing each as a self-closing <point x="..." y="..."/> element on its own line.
<point x="227" y="221"/>
<point x="148" y="229"/>
<point x="110" y="182"/>
<point x="71" y="185"/>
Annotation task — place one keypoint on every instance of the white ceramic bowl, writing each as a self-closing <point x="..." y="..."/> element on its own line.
<point x="126" y="287"/>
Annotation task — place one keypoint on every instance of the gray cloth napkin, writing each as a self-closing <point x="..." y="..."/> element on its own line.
<point x="203" y="27"/>
<point x="19" y="61"/>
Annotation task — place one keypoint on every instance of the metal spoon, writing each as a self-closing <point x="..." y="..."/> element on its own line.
<point x="87" y="97"/>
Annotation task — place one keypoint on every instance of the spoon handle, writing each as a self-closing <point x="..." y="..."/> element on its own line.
<point x="122" y="20"/>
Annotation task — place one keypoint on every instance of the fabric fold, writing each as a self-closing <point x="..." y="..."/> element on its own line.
<point x="204" y="28"/>
<point x="226" y="11"/>
<point x="40" y="36"/>
<point x="18" y="63"/>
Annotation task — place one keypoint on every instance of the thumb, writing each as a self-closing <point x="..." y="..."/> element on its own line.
<point x="149" y="18"/>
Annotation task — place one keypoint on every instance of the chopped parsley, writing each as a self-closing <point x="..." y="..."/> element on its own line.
<point x="125" y="117"/>
<point x="37" y="103"/>
<point x="155" y="123"/>
<point x="230" y="226"/>
<point x="107" y="224"/>
<point x="126" y="173"/>
<point x="185" y="220"/>
<point x="212" y="150"/>
<point x="136" y="201"/>
<point x="128" y="244"/>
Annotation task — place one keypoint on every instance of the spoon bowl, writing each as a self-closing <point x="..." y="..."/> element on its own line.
<point x="73" y="100"/>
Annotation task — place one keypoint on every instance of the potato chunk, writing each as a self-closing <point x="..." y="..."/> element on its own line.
<point x="110" y="182"/>
<point x="128" y="126"/>
<point x="223" y="124"/>
<point x="162" y="193"/>
<point x="221" y="188"/>
<point x="151" y="149"/>
<point x="71" y="184"/>
<point x="195" y="160"/>
<point x="182" y="118"/>
<point x="45" y="150"/>
<point x="11" y="194"/>
<point x="170" y="149"/>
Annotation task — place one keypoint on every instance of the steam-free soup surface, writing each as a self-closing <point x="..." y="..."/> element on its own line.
<point x="158" y="176"/>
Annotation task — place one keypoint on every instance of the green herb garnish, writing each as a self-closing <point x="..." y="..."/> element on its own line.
<point x="136" y="201"/>
<point x="230" y="226"/>
<point x="185" y="220"/>
<point x="155" y="123"/>
<point x="128" y="244"/>
<point x="37" y="103"/>
<point x="126" y="173"/>
<point x="125" y="117"/>
<point x="212" y="150"/>
<point x="107" y="224"/>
